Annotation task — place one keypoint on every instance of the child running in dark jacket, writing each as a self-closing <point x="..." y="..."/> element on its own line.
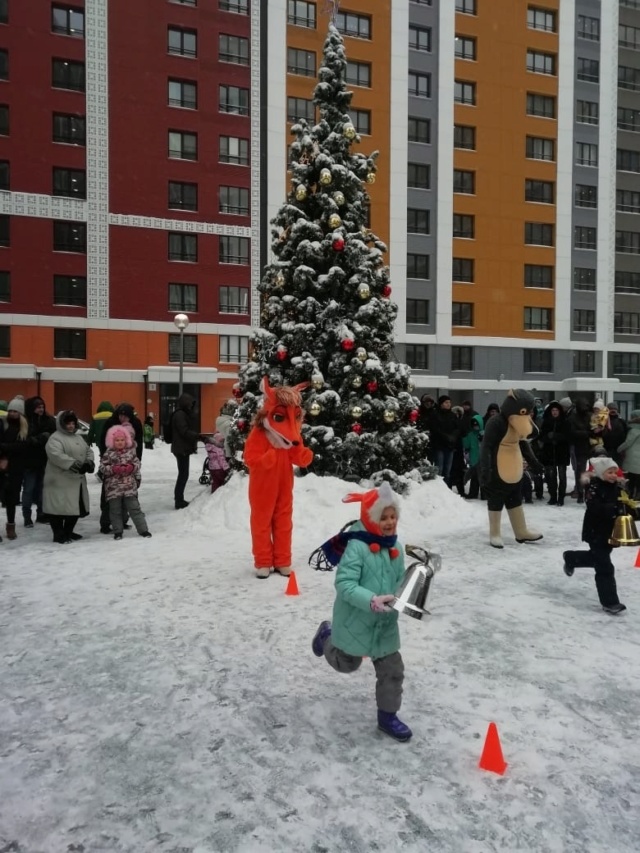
<point x="602" y="507"/>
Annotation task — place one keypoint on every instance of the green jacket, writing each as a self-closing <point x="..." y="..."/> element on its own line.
<point x="471" y="441"/>
<point x="361" y="574"/>
<point x="102" y="415"/>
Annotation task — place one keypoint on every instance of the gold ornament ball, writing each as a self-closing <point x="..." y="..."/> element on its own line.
<point x="339" y="198"/>
<point x="301" y="192"/>
<point x="356" y="412"/>
<point x="389" y="416"/>
<point x="361" y="354"/>
<point x="315" y="409"/>
<point x="371" y="178"/>
<point x="334" y="221"/>
<point x="364" y="292"/>
<point x="356" y="381"/>
<point x="410" y="386"/>
<point x="279" y="280"/>
<point x="317" y="382"/>
<point x="325" y="177"/>
<point x="349" y="131"/>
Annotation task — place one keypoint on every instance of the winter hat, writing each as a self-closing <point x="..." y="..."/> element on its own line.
<point x="68" y="416"/>
<point x="600" y="450"/>
<point x="634" y="416"/>
<point x="613" y="407"/>
<point x="599" y="405"/>
<point x="125" y="409"/>
<point x="443" y="399"/>
<point x="118" y="432"/>
<point x="566" y="403"/>
<point x="600" y="464"/>
<point x="457" y="410"/>
<point x="16" y="405"/>
<point x="372" y="505"/>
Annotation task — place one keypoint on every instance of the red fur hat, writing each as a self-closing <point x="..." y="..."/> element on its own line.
<point x="372" y="505"/>
<point x="118" y="431"/>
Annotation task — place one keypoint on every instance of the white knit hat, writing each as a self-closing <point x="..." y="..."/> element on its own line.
<point x="600" y="464"/>
<point x="16" y="405"/>
<point x="599" y="404"/>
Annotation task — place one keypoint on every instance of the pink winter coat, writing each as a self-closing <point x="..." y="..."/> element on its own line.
<point x="118" y="484"/>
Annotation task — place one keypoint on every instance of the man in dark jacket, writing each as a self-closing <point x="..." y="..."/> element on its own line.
<point x="184" y="440"/>
<point x="444" y="437"/>
<point x="579" y="423"/>
<point x="124" y="414"/>
<point x="613" y="437"/>
<point x="41" y="426"/>
<point x="553" y="452"/>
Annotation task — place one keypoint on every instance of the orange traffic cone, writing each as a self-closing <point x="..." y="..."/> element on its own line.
<point x="492" y="758"/>
<point x="292" y="585"/>
<point x="637" y="562"/>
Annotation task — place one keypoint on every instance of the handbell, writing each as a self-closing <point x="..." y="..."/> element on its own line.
<point x="411" y="596"/>
<point x="624" y="532"/>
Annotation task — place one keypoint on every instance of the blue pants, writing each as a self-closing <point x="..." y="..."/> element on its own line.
<point x="32" y="482"/>
<point x="443" y="460"/>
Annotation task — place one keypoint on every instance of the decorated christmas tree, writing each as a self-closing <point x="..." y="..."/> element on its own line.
<point x="327" y="314"/>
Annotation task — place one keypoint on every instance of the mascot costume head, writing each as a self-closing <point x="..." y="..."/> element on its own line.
<point x="503" y="447"/>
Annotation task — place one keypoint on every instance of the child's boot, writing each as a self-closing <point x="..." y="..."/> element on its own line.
<point x="392" y="726"/>
<point x="320" y="638"/>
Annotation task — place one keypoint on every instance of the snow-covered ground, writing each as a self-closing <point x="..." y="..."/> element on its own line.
<point x="154" y="696"/>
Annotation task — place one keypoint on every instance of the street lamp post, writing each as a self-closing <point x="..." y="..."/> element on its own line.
<point x="181" y="321"/>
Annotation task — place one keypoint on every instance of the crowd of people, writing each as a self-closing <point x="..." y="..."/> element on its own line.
<point x="568" y="434"/>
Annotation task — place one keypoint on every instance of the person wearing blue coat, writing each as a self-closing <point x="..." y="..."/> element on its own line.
<point x="364" y="625"/>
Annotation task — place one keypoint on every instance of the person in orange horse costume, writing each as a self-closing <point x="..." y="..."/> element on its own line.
<point x="273" y="447"/>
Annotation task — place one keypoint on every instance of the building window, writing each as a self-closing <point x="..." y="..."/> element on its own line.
<point x="584" y="320"/>
<point x="298" y="108"/>
<point x="5" y="175"/>
<point x="234" y="349"/>
<point x="584" y="361"/>
<point x="536" y="275"/>
<point x="419" y="84"/>
<point x="420" y="38"/>
<point x="538" y="234"/>
<point x="301" y="62"/>
<point x="71" y="183"/>
<point x="70" y="343"/>
<point x="234" y="49"/>
<point x="183" y="297"/>
<point x="183" y="145"/>
<point x="626" y="282"/>
<point x="418" y="311"/>
<point x="234" y="200"/>
<point x="70" y="290"/>
<point x="466" y="7"/>
<point x="359" y="74"/>
<point x="464" y="136"/>
<point x="417" y="356"/>
<point x="626" y="323"/>
<point x="5" y="231"/>
<point x="234" y="150"/>
<point x="419" y="129"/>
<point x="464" y="225"/>
<point x="463" y="270"/>
<point x="464" y="92"/>
<point x="418" y="266"/>
<point x="584" y="278"/>
<point x="628" y="78"/>
<point x="586" y="154"/>
<point x="538" y="361"/>
<point x="538" y="148"/>
<point x="238" y="7"/>
<point x="182" y="42"/>
<point x="538" y="319"/>
<point x="5" y="286"/>
<point x="4" y="11"/>
<point x="541" y="63"/>
<point x="193" y="3"/>
<point x="361" y="120"/>
<point x="464" y="182"/>
<point x="67" y="21"/>
<point x="628" y="201"/>
<point x="541" y="19"/>
<point x="465" y="47"/>
<point x="630" y="4"/>
<point x="234" y="300"/>
<point x="586" y="196"/>
<point x="628" y="242"/>
<point x="629" y="37"/>
<point x="462" y="358"/>
<point x="4" y="120"/>
<point x="629" y="119"/>
<point x="627" y="161"/>
<point x="350" y="24"/>
<point x="588" y="69"/>
<point x="5" y="341"/>
<point x="183" y="93"/>
<point x="588" y="28"/>
<point x="541" y="192"/>
<point x="4" y="64"/>
<point x="183" y="247"/>
<point x="69" y="129"/>
<point x="587" y="112"/>
<point x="417" y="221"/>
<point x="585" y="238"/>
<point x="626" y="363"/>
<point x="70" y="237"/>
<point x="66" y="74"/>
<point x="190" y="348"/>
<point x="234" y="99"/>
<point x="462" y="314"/>
<point x="234" y="250"/>
<point x="182" y="196"/>
<point x="541" y="105"/>
<point x="419" y="176"/>
<point x="302" y="14"/>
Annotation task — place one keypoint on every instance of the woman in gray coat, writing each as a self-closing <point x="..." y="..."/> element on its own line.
<point x="631" y="449"/>
<point x="66" y="497"/>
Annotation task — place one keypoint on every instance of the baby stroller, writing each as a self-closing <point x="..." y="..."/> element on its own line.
<point x="205" y="477"/>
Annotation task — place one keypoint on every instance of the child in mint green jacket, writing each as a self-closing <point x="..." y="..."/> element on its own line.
<point x="369" y="572"/>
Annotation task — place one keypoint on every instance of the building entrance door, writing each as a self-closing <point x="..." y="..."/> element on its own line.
<point x="73" y="395"/>
<point x="169" y="398"/>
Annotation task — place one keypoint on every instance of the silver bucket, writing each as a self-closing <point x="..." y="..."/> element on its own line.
<point x="411" y="596"/>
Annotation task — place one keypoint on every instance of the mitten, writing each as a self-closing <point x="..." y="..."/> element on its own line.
<point x="128" y="468"/>
<point x="76" y="468"/>
<point x="88" y="468"/>
<point x="117" y="469"/>
<point x="379" y="603"/>
<point x="306" y="457"/>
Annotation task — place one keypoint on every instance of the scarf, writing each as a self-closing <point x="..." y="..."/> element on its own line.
<point x="330" y="552"/>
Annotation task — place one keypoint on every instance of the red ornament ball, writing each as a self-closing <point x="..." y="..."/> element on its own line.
<point x="338" y="244"/>
<point x="237" y="393"/>
<point x="372" y="386"/>
<point x="413" y="416"/>
<point x="281" y="354"/>
<point x="347" y="344"/>
<point x="386" y="291"/>
<point x="242" y="425"/>
<point x="357" y="428"/>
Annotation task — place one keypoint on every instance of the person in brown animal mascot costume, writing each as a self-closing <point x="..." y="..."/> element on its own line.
<point x="273" y="447"/>
<point x="501" y="453"/>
